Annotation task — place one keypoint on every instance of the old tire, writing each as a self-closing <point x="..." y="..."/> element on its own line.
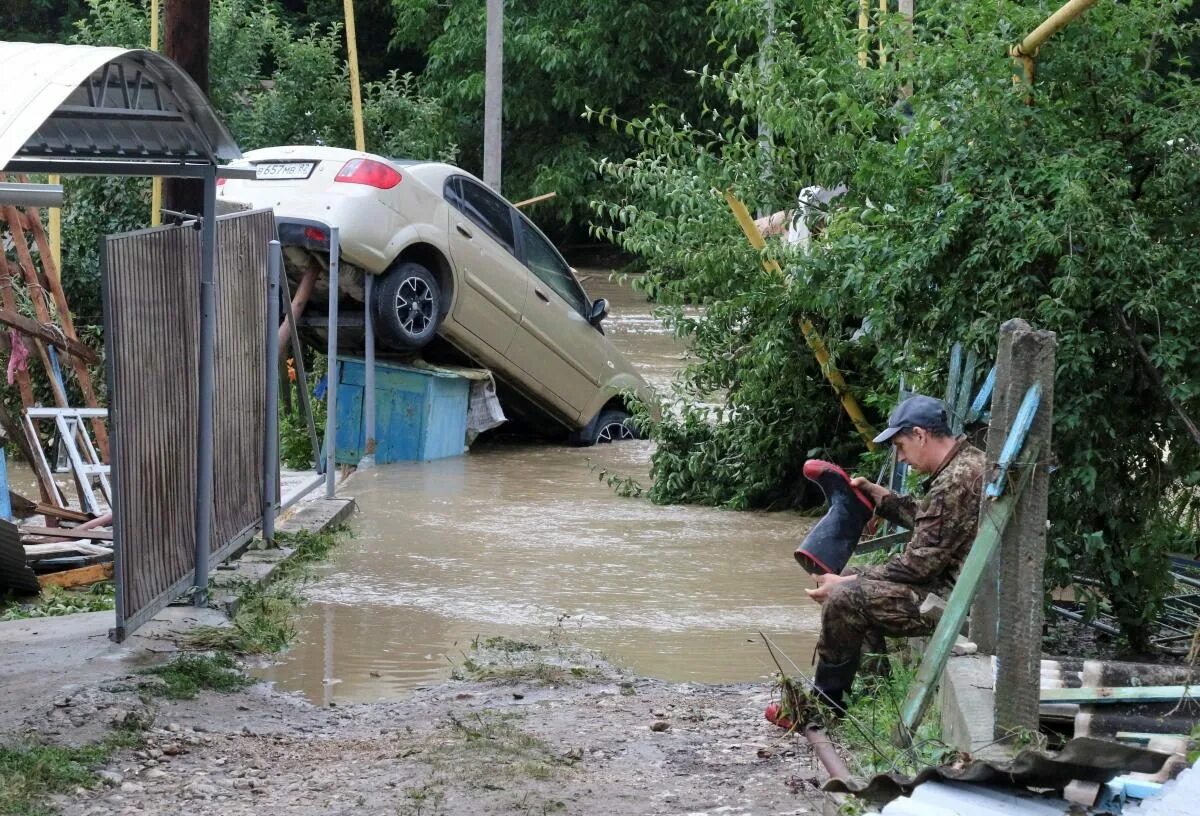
<point x="407" y="307"/>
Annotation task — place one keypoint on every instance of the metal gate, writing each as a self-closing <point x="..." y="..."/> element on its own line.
<point x="151" y="288"/>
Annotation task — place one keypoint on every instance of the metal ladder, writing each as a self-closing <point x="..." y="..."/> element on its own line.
<point x="83" y="459"/>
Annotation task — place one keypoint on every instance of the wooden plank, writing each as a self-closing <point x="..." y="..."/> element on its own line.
<point x="68" y="532"/>
<point x="53" y="279"/>
<point x="534" y="200"/>
<point x="56" y="548"/>
<point x="991" y="528"/>
<point x="63" y="513"/>
<point x="1127" y="694"/>
<point x="83" y="576"/>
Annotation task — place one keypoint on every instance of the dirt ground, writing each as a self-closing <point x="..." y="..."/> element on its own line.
<point x="554" y="730"/>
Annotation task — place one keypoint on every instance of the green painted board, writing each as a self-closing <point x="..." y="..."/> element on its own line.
<point x="1121" y="694"/>
<point x="941" y="644"/>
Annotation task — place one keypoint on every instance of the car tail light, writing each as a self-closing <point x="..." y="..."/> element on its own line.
<point x="314" y="234"/>
<point x="369" y="172"/>
<point x="221" y="181"/>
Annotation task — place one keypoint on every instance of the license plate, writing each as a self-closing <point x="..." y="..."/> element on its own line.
<point x="283" y="170"/>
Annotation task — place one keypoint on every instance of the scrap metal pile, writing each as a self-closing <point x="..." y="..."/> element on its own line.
<point x="59" y="538"/>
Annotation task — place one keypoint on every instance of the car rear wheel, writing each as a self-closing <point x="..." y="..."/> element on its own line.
<point x="408" y="307"/>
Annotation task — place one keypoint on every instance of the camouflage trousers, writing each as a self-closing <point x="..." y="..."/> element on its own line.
<point x="863" y="612"/>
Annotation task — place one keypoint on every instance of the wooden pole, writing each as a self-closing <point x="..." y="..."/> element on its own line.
<point x="493" y="95"/>
<point x="186" y="41"/>
<point x="864" y="25"/>
<point x="883" y="10"/>
<point x="156" y="186"/>
<point x="906" y="12"/>
<point x="1007" y="618"/>
<point x="360" y="137"/>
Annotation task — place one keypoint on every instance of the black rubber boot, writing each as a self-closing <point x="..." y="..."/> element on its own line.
<point x="829" y="545"/>
<point x="833" y="681"/>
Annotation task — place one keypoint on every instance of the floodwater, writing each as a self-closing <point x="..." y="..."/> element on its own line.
<point x="524" y="541"/>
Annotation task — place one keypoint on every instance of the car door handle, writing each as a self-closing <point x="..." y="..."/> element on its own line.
<point x="463" y="231"/>
<point x="541" y="295"/>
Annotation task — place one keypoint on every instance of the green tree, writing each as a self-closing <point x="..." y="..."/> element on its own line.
<point x="966" y="206"/>
<point x="559" y="58"/>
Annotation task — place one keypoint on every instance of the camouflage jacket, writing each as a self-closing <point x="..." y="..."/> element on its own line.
<point x="944" y="523"/>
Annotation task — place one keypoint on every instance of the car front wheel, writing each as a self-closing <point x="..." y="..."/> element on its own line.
<point x="613" y="425"/>
<point x="407" y="307"/>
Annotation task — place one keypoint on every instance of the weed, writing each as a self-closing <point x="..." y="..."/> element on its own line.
<point x="491" y="745"/>
<point x="503" y="644"/>
<point x="187" y="675"/>
<point x="872" y="718"/>
<point x="30" y="773"/>
<point x="56" y="601"/>
<point x="263" y="621"/>
<point x="425" y="800"/>
<point x="537" y="671"/>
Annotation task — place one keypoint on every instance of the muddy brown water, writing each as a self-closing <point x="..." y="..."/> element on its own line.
<point x="524" y="541"/>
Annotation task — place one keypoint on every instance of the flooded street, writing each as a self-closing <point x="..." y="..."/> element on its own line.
<point x="522" y="540"/>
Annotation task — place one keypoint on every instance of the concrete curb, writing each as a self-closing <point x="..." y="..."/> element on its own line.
<point x="258" y="566"/>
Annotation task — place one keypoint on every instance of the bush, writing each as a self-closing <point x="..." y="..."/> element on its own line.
<point x="966" y="206"/>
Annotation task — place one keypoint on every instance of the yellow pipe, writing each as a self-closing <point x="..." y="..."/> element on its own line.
<point x="360" y="137"/>
<point x="1030" y="45"/>
<point x="1026" y="51"/>
<point x="811" y="335"/>
<point x="156" y="182"/>
<point x="864" y="24"/>
<point x="883" y="10"/>
<point x="56" y="230"/>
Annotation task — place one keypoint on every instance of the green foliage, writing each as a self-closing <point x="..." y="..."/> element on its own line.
<point x="966" y="207"/>
<point x="30" y="773"/>
<point x="55" y="601"/>
<point x="189" y="674"/>
<point x="559" y="58"/>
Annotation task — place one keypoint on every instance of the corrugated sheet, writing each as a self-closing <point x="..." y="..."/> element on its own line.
<point x="41" y="78"/>
<point x="960" y="799"/>
<point x="240" y="376"/>
<point x="152" y="315"/>
<point x="15" y="574"/>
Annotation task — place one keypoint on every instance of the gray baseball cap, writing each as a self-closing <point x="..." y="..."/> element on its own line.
<point x="917" y="412"/>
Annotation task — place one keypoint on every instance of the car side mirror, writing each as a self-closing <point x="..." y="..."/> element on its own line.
<point x="599" y="311"/>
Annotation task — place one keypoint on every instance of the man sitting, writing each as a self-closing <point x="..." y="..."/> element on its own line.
<point x="869" y="602"/>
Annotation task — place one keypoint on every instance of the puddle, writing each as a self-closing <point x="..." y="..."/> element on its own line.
<point x="522" y="540"/>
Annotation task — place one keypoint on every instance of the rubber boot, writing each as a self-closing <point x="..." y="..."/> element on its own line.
<point x="833" y="681"/>
<point x="829" y="544"/>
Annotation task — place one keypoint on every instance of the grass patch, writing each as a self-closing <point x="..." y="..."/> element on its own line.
<point x="533" y="671"/>
<point x="872" y="717"/>
<point x="492" y="747"/>
<point x="28" y="774"/>
<point x="187" y="675"/>
<point x="263" y="623"/>
<point x="56" y="601"/>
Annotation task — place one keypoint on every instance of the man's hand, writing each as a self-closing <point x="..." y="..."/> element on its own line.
<point x="825" y="585"/>
<point x="875" y="492"/>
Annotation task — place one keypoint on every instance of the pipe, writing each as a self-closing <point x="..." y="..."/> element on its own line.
<point x="825" y="751"/>
<point x="360" y="139"/>
<point x="271" y="356"/>
<point x="207" y="365"/>
<point x="331" y="368"/>
<point x="1053" y="24"/>
<point x="368" y="458"/>
<point x="299" y="301"/>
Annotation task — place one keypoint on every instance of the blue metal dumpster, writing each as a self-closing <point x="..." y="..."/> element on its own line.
<point x="419" y="414"/>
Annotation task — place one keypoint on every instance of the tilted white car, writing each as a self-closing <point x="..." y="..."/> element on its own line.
<point x="452" y="259"/>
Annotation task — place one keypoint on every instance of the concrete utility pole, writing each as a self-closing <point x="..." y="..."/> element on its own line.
<point x="185" y="40"/>
<point x="1006" y="619"/>
<point x="493" y="94"/>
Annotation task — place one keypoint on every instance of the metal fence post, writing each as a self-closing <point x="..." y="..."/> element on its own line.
<point x="271" y="425"/>
<point x="1007" y="616"/>
<point x="331" y="372"/>
<point x="207" y="362"/>
<point x="368" y="458"/>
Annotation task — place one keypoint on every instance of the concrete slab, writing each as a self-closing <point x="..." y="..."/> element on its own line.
<point x="316" y="515"/>
<point x="967" y="702"/>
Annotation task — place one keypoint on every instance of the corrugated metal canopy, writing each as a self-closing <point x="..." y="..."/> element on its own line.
<point x="103" y="106"/>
